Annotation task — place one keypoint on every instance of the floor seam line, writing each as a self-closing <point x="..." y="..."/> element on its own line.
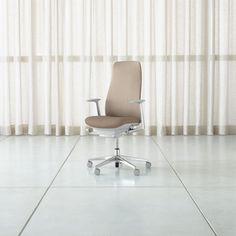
<point x="47" y="189"/>
<point x="190" y="195"/>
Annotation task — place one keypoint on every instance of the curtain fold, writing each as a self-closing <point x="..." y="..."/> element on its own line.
<point x="55" y="54"/>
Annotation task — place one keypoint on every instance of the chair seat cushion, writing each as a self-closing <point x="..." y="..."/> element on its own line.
<point x="110" y="121"/>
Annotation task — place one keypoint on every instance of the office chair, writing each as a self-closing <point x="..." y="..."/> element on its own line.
<point x="124" y="113"/>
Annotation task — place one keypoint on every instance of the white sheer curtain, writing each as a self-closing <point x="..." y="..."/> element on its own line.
<point x="54" y="54"/>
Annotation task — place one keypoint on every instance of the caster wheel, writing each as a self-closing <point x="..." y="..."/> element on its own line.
<point x="137" y="172"/>
<point x="117" y="164"/>
<point x="89" y="164"/>
<point x="97" y="171"/>
<point x="148" y="164"/>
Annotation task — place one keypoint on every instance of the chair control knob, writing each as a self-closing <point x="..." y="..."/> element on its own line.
<point x="117" y="164"/>
<point x="89" y="164"/>
<point x="137" y="172"/>
<point x="148" y="164"/>
<point x="97" y="171"/>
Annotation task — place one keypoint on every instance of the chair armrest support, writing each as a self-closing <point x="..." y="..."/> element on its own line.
<point x="96" y="100"/>
<point x="140" y="102"/>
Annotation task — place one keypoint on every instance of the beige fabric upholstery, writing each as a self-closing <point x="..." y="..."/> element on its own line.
<point x="109" y="121"/>
<point x="125" y="86"/>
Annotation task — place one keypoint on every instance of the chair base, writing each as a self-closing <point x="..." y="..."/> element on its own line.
<point x="118" y="160"/>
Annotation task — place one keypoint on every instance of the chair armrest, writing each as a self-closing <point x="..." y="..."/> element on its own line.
<point x="140" y="102"/>
<point x="96" y="100"/>
<point x="137" y="101"/>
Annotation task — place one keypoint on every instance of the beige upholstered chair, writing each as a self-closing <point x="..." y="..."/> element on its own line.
<point x="124" y="113"/>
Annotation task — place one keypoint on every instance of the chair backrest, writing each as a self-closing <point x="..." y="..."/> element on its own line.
<point x="125" y="86"/>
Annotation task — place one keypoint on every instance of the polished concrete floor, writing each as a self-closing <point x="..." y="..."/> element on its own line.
<point x="46" y="188"/>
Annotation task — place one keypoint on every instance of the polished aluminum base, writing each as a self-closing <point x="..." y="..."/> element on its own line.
<point x="118" y="160"/>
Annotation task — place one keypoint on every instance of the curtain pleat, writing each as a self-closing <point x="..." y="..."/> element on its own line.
<point x="173" y="91"/>
<point x="31" y="69"/>
<point x="55" y="54"/>
<point x="160" y="10"/>
<point x="17" y="68"/>
<point x="68" y="66"/>
<point x="210" y="64"/>
<point x="57" y="85"/>
<point x="186" y="68"/>
<point x="47" y="69"/>
<point x="5" y="91"/>
<point x="199" y="67"/>
<point x="223" y="65"/>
